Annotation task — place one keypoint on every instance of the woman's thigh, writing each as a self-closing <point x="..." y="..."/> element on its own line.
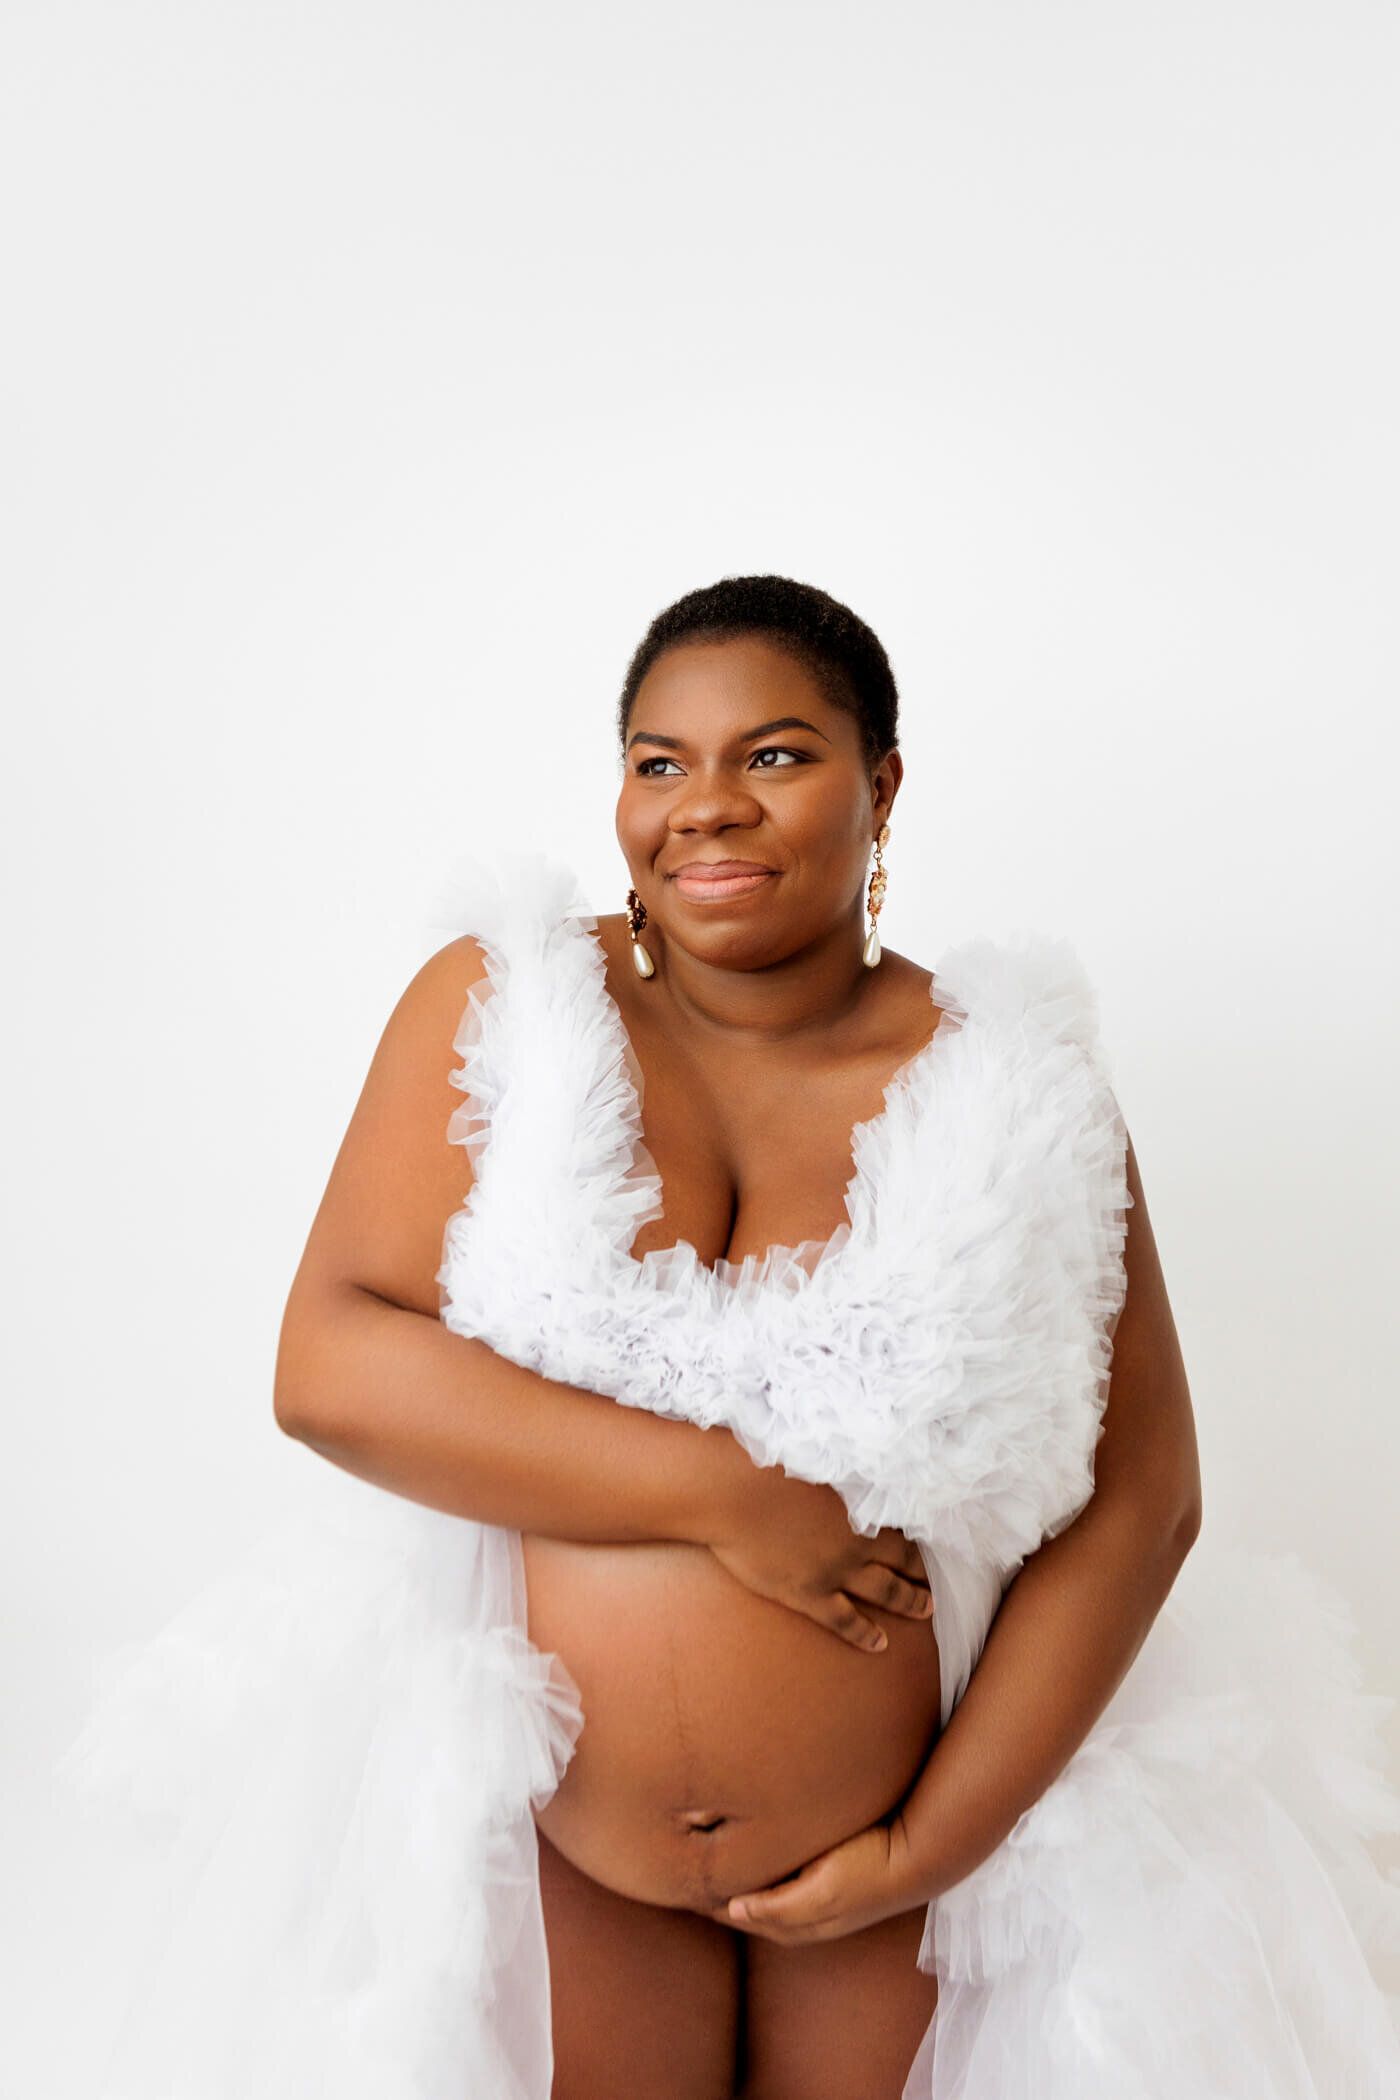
<point x="645" y="2000"/>
<point x="839" y="2019"/>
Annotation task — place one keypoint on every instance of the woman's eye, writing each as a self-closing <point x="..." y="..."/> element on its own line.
<point x="769" y="759"/>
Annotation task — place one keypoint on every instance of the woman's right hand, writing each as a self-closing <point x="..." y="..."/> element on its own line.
<point x="792" y="1541"/>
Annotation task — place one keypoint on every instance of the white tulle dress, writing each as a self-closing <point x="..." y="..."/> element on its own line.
<point x="311" y="1869"/>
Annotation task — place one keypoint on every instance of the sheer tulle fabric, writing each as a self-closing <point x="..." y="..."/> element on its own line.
<point x="311" y="1867"/>
<point x="1187" y="1913"/>
<point x="308" y="1853"/>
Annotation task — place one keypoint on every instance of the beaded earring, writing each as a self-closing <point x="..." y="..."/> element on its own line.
<point x="636" y="920"/>
<point x="870" y="954"/>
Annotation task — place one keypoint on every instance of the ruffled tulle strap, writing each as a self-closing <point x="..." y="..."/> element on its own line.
<point x="1029" y="979"/>
<point x="509" y="902"/>
<point x="548" y="1075"/>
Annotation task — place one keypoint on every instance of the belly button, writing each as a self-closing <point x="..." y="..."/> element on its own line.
<point x="701" y="1820"/>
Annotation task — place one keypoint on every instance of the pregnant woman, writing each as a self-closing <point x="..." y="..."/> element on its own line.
<point x="766" y="1673"/>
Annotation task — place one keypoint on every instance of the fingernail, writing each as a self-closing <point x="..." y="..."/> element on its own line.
<point x="738" y="1909"/>
<point x="881" y="1639"/>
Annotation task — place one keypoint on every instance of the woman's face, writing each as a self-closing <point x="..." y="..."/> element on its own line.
<point x="748" y="809"/>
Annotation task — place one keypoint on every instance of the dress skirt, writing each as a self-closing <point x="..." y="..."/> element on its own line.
<point x="305" y="1861"/>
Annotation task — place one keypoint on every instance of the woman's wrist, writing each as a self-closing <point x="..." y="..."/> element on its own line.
<point x="914" y="1859"/>
<point x="712" y="1487"/>
<point x="918" y="1840"/>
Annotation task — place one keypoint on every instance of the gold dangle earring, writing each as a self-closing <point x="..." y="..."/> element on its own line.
<point x="636" y="920"/>
<point x="871" y="951"/>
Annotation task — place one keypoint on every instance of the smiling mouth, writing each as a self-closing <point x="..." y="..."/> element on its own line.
<point x="704" y="881"/>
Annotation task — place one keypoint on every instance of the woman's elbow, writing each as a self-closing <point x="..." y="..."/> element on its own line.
<point x="1188" y="1469"/>
<point x="302" y="1411"/>
<point x="291" y="1408"/>
<point x="1172" y="1510"/>
<point x="289" y="1414"/>
<point x="299" y="1382"/>
<point x="328" y="1374"/>
<point x="1188" y="1525"/>
<point x="1157" y="1521"/>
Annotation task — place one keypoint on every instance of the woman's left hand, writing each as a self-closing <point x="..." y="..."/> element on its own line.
<point x="865" y="1878"/>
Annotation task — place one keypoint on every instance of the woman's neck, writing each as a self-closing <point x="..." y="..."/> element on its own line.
<point x="818" y="989"/>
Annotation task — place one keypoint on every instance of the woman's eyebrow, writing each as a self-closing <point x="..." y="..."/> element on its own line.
<point x="675" y="743"/>
<point x="785" y="722"/>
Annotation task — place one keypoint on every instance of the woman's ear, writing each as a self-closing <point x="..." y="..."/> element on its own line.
<point x="884" y="784"/>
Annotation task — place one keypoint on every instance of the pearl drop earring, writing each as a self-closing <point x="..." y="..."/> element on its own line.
<point x="636" y="920"/>
<point x="870" y="954"/>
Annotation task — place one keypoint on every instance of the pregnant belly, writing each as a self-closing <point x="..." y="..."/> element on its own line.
<point x="726" y="1739"/>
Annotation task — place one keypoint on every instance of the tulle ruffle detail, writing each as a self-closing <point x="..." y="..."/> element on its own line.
<point x="306" y="1851"/>
<point x="942" y="1361"/>
<point x="1189" y="1912"/>
<point x="550" y="1081"/>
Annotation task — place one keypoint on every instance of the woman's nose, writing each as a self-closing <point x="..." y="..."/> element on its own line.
<point x="712" y="802"/>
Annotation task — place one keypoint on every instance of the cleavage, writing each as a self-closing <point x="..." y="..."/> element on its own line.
<point x="745" y="1176"/>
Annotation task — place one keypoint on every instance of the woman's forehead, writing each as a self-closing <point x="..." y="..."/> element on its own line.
<point x="713" y="689"/>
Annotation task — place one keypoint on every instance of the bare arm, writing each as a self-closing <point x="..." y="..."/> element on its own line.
<point x="1066" y="1633"/>
<point x="368" y="1376"/>
<point x="445" y="1421"/>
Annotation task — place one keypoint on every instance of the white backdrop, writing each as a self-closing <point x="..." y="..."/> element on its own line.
<point x="375" y="372"/>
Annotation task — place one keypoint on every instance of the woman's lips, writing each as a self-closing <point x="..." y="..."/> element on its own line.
<point x="705" y="880"/>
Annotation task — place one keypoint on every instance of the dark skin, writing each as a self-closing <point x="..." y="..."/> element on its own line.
<point x="744" y="973"/>
<point x="763" y="1036"/>
<point x="1062" y="1642"/>
<point x="761" y="1024"/>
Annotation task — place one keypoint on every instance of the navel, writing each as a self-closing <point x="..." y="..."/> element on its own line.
<point x="701" y="1820"/>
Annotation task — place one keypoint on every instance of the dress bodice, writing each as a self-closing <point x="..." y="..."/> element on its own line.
<point x="942" y="1360"/>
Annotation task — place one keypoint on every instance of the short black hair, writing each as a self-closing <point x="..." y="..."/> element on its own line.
<point x="842" y="654"/>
